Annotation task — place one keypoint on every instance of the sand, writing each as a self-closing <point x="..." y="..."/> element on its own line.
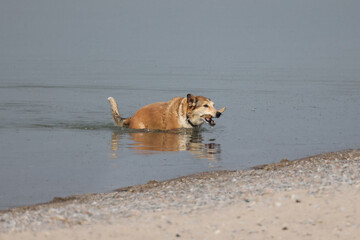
<point x="312" y="198"/>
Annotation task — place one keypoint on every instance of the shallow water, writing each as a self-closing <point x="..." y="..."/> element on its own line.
<point x="291" y="89"/>
<point x="58" y="140"/>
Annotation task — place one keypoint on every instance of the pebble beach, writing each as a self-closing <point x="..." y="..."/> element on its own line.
<point x="316" y="197"/>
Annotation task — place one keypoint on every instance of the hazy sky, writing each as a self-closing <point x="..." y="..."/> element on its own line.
<point x="181" y="31"/>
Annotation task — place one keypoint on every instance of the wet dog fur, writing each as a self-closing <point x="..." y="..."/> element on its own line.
<point x="180" y="112"/>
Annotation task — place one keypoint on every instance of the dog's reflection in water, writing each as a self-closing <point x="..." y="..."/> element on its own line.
<point x="146" y="143"/>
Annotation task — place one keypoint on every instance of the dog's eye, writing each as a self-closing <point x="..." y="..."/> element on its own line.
<point x="206" y="105"/>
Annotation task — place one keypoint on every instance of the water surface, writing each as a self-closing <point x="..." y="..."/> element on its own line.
<point x="288" y="74"/>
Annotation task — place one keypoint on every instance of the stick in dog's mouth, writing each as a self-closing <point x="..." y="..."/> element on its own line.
<point x="222" y="109"/>
<point x="208" y="117"/>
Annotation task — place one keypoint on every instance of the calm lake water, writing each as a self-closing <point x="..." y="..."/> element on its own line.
<point x="288" y="75"/>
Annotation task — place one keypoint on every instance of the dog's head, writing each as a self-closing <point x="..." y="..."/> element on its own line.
<point x="201" y="109"/>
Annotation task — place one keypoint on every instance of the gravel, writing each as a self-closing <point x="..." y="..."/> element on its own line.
<point x="191" y="193"/>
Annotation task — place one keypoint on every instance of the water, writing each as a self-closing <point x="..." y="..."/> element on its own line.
<point x="288" y="75"/>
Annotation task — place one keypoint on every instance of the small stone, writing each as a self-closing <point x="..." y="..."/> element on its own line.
<point x="177" y="235"/>
<point x="295" y="198"/>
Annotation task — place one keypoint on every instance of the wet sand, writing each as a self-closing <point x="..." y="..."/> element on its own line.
<point x="316" y="197"/>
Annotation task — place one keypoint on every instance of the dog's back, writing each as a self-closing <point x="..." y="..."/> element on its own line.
<point x="160" y="115"/>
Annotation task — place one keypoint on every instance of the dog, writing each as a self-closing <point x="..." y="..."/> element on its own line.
<point x="180" y="112"/>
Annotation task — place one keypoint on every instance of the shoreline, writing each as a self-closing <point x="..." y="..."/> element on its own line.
<point x="201" y="175"/>
<point x="320" y="178"/>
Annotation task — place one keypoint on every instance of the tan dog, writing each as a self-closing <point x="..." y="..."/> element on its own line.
<point x="179" y="112"/>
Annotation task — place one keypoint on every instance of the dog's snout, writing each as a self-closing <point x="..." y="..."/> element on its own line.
<point x="218" y="114"/>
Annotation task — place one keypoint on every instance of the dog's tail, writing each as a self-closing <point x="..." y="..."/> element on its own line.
<point x="116" y="115"/>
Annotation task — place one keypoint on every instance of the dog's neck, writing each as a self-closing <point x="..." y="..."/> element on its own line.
<point x="189" y="121"/>
<point x="183" y="116"/>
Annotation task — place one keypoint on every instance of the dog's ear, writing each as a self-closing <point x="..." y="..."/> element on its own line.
<point x="191" y="100"/>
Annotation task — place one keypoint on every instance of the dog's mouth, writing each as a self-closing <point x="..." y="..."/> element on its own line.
<point x="209" y="120"/>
